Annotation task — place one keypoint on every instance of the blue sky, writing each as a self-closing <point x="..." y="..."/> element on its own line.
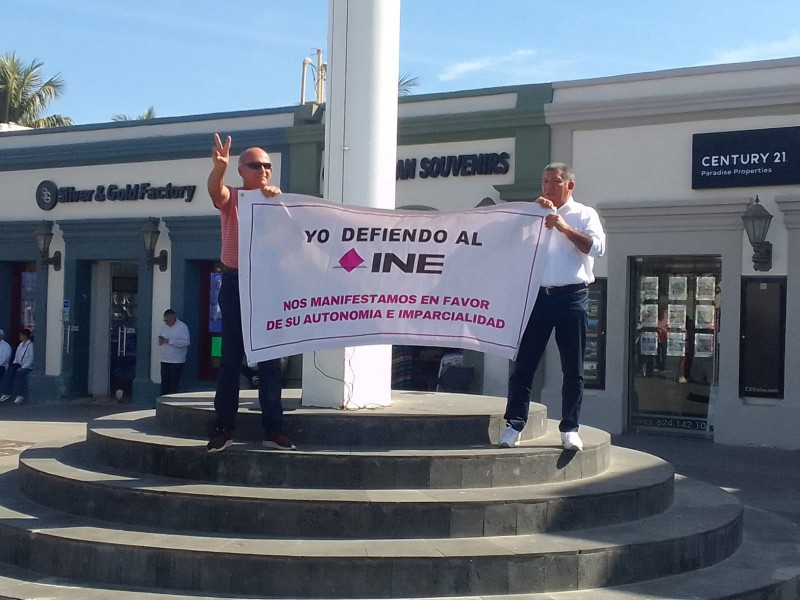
<point x="189" y="57"/>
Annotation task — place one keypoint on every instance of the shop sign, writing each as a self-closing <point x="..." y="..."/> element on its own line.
<point x="758" y="157"/>
<point x="48" y="194"/>
<point x="461" y="165"/>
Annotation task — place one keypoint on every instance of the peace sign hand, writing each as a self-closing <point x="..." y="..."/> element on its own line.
<point x="221" y="153"/>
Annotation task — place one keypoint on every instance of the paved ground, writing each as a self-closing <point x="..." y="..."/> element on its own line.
<point x="761" y="477"/>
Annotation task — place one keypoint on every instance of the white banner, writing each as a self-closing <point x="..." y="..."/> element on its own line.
<point x="315" y="275"/>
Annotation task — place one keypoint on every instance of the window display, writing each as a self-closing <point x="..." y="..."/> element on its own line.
<point x="27" y="305"/>
<point x="674" y="336"/>
<point x="594" y="359"/>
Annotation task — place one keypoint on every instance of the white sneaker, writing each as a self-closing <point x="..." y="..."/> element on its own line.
<point x="5" y="397"/>
<point x="19" y="400"/>
<point x="510" y="438"/>
<point x="571" y="440"/>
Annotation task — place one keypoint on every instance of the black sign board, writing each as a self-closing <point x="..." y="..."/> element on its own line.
<point x="758" y="157"/>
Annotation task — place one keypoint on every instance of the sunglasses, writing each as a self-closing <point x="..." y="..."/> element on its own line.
<point x="257" y="166"/>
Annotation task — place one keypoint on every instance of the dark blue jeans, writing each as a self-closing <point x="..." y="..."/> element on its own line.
<point x="15" y="382"/>
<point x="171" y="377"/>
<point x="566" y="314"/>
<point x="226" y="400"/>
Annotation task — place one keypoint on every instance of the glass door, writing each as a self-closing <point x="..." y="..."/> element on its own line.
<point x="674" y="327"/>
<point x="209" y="338"/>
<point x="122" y="329"/>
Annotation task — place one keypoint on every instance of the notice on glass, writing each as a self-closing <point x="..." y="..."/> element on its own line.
<point x="677" y="288"/>
<point x="704" y="316"/>
<point x="676" y="316"/>
<point x="648" y="315"/>
<point x="706" y="288"/>
<point x="704" y="345"/>
<point x="648" y="343"/>
<point x="675" y="344"/>
<point x="649" y="288"/>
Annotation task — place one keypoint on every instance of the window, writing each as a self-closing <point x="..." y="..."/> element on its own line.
<point x="674" y="327"/>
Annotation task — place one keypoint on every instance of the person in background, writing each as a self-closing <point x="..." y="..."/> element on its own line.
<point x="661" y="358"/>
<point x="173" y="338"/>
<point x="5" y="354"/>
<point x="15" y="379"/>
<point x="255" y="169"/>
<point x="561" y="305"/>
<point x="452" y="357"/>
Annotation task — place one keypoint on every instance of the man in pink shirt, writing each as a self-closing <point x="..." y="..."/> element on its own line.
<point x="255" y="169"/>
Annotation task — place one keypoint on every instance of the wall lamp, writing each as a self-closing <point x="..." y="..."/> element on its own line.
<point x="44" y="235"/>
<point x="150" y="235"/>
<point x="756" y="223"/>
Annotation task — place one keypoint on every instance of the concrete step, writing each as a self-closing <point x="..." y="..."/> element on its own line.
<point x="414" y="420"/>
<point x="136" y="442"/>
<point x="636" y="485"/>
<point x="703" y="527"/>
<point x="765" y="567"/>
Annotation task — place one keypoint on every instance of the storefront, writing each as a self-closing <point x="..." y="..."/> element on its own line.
<point x="697" y="336"/>
<point x="679" y="341"/>
<point x="97" y="191"/>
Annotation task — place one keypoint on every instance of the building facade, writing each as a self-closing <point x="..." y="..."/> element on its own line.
<point x="685" y="336"/>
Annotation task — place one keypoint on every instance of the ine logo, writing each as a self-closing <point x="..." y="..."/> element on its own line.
<point x="47" y="195"/>
<point x="350" y="260"/>
<point x="386" y="262"/>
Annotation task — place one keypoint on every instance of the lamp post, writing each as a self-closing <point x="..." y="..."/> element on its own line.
<point x="756" y="221"/>
<point x="150" y="235"/>
<point x="44" y="235"/>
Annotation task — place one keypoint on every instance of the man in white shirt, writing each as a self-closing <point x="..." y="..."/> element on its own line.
<point x="5" y="354"/>
<point x="561" y="305"/>
<point x="173" y="337"/>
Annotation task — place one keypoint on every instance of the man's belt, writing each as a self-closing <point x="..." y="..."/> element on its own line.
<point x="562" y="289"/>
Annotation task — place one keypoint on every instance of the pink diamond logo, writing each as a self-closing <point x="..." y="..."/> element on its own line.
<point x="350" y="260"/>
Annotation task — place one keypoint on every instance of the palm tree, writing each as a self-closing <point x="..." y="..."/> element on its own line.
<point x="150" y="113"/>
<point x="24" y="94"/>
<point x="405" y="83"/>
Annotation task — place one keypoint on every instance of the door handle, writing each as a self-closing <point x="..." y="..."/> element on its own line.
<point x="68" y="329"/>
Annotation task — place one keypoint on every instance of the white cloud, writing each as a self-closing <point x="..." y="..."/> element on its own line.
<point x="457" y="70"/>
<point x="512" y="61"/>
<point x="787" y="47"/>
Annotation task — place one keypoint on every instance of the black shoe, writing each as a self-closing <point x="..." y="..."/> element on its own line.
<point x="278" y="441"/>
<point x="220" y="439"/>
